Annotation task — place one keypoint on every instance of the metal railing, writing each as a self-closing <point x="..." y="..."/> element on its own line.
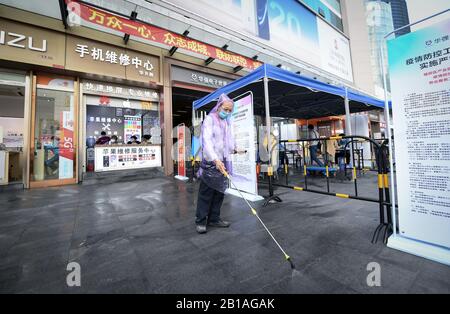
<point x="383" y="199"/>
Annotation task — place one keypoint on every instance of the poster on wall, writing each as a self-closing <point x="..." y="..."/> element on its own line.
<point x="243" y="129"/>
<point x="420" y="79"/>
<point x="334" y="51"/>
<point x="132" y="126"/>
<point x="293" y="29"/>
<point x="286" y="25"/>
<point x="66" y="147"/>
<point x="127" y="157"/>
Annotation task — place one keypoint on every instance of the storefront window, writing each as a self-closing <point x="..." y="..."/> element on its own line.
<point x="12" y="129"/>
<point x="54" y="154"/>
<point x="122" y="133"/>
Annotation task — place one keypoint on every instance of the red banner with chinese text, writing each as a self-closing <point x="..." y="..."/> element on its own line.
<point x="181" y="151"/>
<point x="159" y="35"/>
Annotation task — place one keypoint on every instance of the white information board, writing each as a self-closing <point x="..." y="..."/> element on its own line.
<point x="419" y="65"/>
<point x="108" y="158"/>
<point x="244" y="165"/>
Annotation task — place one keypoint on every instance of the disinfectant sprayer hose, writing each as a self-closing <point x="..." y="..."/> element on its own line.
<point x="254" y="212"/>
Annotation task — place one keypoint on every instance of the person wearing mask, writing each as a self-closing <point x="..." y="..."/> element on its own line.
<point x="103" y="139"/>
<point x="133" y="140"/>
<point x="146" y="139"/>
<point x="113" y="140"/>
<point x="217" y="144"/>
<point x="314" y="145"/>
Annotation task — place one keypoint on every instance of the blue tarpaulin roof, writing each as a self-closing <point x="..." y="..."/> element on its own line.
<point x="293" y="95"/>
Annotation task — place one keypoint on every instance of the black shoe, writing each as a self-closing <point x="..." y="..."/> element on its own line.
<point x="201" y="229"/>
<point x="220" y="224"/>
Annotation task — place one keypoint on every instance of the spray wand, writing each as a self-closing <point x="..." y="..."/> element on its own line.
<point x="254" y="212"/>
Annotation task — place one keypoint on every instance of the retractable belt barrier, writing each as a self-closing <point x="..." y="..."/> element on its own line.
<point x="381" y="151"/>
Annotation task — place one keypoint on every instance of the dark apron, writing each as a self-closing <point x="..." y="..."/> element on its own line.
<point x="212" y="177"/>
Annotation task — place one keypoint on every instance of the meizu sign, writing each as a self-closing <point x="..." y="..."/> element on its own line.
<point x="23" y="43"/>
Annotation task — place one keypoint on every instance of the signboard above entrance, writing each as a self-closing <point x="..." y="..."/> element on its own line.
<point x="103" y="59"/>
<point x="198" y="78"/>
<point x="28" y="44"/>
<point x="114" y="90"/>
<point x="99" y="19"/>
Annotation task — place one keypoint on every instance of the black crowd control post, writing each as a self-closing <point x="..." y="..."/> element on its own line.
<point x="286" y="164"/>
<point x="269" y="175"/>
<point x="362" y="153"/>
<point x="304" y="165"/>
<point x="361" y="161"/>
<point x="389" y="227"/>
<point x="352" y="140"/>
<point x="271" y="197"/>
<point x="345" y="152"/>
<point x="380" y="194"/>
<point x="354" y="168"/>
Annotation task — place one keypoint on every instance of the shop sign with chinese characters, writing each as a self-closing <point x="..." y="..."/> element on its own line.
<point x="420" y="83"/>
<point x="98" y="58"/>
<point x="98" y="19"/>
<point x="108" y="158"/>
<point x="96" y="88"/>
<point x="198" y="78"/>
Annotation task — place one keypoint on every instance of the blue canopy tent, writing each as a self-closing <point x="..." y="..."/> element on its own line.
<point x="293" y="96"/>
<point x="283" y="94"/>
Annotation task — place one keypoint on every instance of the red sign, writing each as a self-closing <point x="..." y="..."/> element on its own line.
<point x="181" y="151"/>
<point x="162" y="36"/>
<point x="66" y="147"/>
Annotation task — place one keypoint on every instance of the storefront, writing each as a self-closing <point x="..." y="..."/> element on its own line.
<point x="24" y="100"/>
<point x="120" y="112"/>
<point x="14" y="99"/>
<point x="69" y="76"/>
<point x="59" y="92"/>
<point x="187" y="83"/>
<point x="53" y="158"/>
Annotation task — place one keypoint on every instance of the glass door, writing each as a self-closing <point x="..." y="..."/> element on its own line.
<point x="54" y="133"/>
<point x="12" y="128"/>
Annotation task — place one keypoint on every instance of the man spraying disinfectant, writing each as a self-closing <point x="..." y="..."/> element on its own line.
<point x="217" y="142"/>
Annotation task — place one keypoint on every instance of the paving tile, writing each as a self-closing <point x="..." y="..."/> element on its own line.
<point x="139" y="237"/>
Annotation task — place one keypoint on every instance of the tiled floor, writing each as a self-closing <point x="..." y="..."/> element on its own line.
<point x="139" y="237"/>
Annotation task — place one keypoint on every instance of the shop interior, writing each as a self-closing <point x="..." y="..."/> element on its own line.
<point x="11" y="134"/>
<point x="182" y="100"/>
<point x="119" y="121"/>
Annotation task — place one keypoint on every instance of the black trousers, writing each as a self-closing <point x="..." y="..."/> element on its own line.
<point x="340" y="154"/>
<point x="209" y="203"/>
